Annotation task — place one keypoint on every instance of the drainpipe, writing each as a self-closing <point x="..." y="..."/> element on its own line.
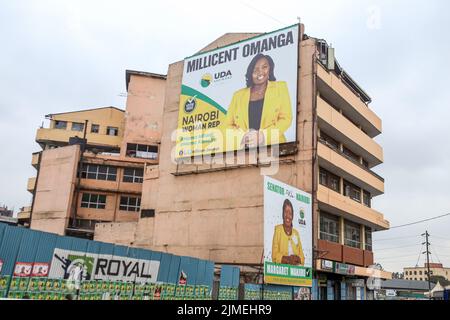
<point x="314" y="157"/>
<point x="80" y="163"/>
<point x="35" y="187"/>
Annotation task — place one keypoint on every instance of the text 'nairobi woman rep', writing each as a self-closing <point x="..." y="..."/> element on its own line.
<point x="260" y="113"/>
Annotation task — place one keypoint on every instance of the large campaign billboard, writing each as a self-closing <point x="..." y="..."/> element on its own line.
<point x="287" y="234"/>
<point x="240" y="96"/>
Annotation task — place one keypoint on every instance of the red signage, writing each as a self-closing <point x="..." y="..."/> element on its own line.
<point x="40" y="269"/>
<point x="23" y="269"/>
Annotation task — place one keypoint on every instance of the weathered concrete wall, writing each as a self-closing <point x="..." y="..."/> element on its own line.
<point x="119" y="232"/>
<point x="143" y="117"/>
<point x="219" y="215"/>
<point x="54" y="190"/>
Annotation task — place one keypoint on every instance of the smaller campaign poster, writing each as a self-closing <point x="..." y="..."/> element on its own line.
<point x="40" y="269"/>
<point x="287" y="234"/>
<point x="23" y="269"/>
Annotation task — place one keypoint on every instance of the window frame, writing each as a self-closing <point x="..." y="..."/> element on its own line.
<point x="93" y="201"/>
<point x="329" y="141"/>
<point x="108" y="128"/>
<point x="352" y="189"/>
<point x="57" y="124"/>
<point x="136" y="149"/>
<point x="94" y="171"/>
<point x="368" y="196"/>
<point x="330" y="179"/>
<point x="326" y="222"/>
<point x="95" y="126"/>
<point x="368" y="231"/>
<point x="350" y="227"/>
<point x="136" y="207"/>
<point x="133" y="177"/>
<point x="80" y="124"/>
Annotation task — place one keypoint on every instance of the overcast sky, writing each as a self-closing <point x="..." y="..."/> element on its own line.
<point x="60" y="56"/>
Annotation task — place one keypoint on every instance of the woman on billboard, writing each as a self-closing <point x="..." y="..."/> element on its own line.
<point x="260" y="113"/>
<point x="286" y="244"/>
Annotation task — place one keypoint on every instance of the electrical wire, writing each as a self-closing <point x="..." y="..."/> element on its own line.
<point x="386" y="239"/>
<point x="420" y="221"/>
<point x="381" y="249"/>
<point x="439" y="237"/>
<point x="395" y="257"/>
<point x="420" y="254"/>
<point x="263" y="13"/>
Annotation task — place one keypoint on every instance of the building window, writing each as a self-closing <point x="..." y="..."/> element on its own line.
<point x="352" y="234"/>
<point x="329" y="227"/>
<point x="366" y="198"/>
<point x="93" y="201"/>
<point x="60" y="124"/>
<point x="350" y="154"/>
<point x="142" y="151"/>
<point x="130" y="203"/>
<point x="329" y="180"/>
<point x="415" y="273"/>
<point x="326" y="139"/>
<point x="147" y="213"/>
<point x="133" y="175"/>
<point x="77" y="126"/>
<point x="112" y="131"/>
<point x="95" y="128"/>
<point x="420" y="272"/>
<point x="98" y="172"/>
<point x="352" y="191"/>
<point x="365" y="164"/>
<point x="368" y="236"/>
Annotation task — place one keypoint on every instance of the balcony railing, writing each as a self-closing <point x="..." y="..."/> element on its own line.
<point x="329" y="237"/>
<point x="350" y="159"/>
<point x="353" y="243"/>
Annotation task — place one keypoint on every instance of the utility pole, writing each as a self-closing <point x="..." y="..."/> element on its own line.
<point x="426" y="234"/>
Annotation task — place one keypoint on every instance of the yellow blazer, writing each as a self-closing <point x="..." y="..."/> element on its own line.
<point x="280" y="244"/>
<point x="276" y="115"/>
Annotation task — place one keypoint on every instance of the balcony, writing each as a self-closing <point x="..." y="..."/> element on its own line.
<point x="344" y="98"/>
<point x="31" y="185"/>
<point x="343" y="130"/>
<point x="24" y="213"/>
<point x="340" y="205"/>
<point x="35" y="159"/>
<point x="338" y="163"/>
<point x="61" y="137"/>
<point x="337" y="252"/>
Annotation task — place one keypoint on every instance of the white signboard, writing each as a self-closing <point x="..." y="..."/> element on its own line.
<point x="67" y="264"/>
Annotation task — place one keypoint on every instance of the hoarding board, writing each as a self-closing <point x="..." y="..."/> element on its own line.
<point x="241" y="95"/>
<point x="287" y="234"/>
<point x="74" y="265"/>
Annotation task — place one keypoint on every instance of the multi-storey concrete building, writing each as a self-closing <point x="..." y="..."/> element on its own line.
<point x="421" y="273"/>
<point x="108" y="148"/>
<point x="215" y="211"/>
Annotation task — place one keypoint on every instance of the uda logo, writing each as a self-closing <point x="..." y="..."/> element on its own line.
<point x="302" y="220"/>
<point x="207" y="78"/>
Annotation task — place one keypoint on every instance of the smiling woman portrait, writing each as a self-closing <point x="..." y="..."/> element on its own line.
<point x="261" y="113"/>
<point x="286" y="243"/>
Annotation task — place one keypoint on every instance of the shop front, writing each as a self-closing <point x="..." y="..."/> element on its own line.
<point x="339" y="281"/>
